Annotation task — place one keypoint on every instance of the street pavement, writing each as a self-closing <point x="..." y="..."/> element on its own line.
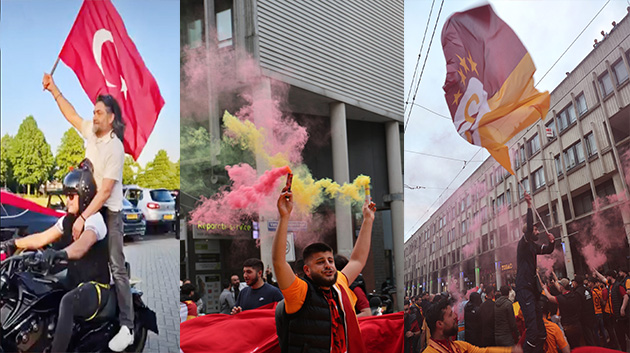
<point x="154" y="261"/>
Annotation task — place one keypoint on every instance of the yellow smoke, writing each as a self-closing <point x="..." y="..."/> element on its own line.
<point x="252" y="138"/>
<point x="308" y="193"/>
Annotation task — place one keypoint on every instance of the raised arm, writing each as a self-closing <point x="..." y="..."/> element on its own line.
<point x="601" y="277"/>
<point x="64" y="106"/>
<point x="530" y="218"/>
<point x="284" y="273"/>
<point x="361" y="250"/>
<point x="546" y="249"/>
<point x="549" y="296"/>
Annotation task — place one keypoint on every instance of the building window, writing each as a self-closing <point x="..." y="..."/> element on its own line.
<point x="539" y="178"/>
<point x="558" y="165"/>
<point x="573" y="156"/>
<point x="517" y="161"/>
<point x="605" y="189"/>
<point x="620" y="71"/>
<point x="223" y="14"/>
<point x="192" y="23"/>
<point x="533" y="145"/>
<point x="552" y="126"/>
<point x="605" y="84"/>
<point x="500" y="201"/>
<point x="522" y="153"/>
<point x="580" y="100"/>
<point x="591" y="148"/>
<point x="583" y="203"/>
<point x="566" y="117"/>
<point x="525" y="183"/>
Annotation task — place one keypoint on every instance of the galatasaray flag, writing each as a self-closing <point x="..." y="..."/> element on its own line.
<point x="489" y="84"/>
<point x="104" y="58"/>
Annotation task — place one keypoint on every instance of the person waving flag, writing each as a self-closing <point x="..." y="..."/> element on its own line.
<point x="106" y="61"/>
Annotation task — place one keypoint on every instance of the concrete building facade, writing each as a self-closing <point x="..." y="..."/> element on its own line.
<point x="342" y="64"/>
<point x="579" y="154"/>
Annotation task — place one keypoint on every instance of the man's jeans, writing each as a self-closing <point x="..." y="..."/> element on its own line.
<point x="117" y="266"/>
<point x="536" y="333"/>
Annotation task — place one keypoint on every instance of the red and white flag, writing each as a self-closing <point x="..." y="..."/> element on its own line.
<point x="106" y="61"/>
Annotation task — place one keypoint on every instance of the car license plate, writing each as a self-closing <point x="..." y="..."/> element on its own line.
<point x="132" y="216"/>
<point x="169" y="217"/>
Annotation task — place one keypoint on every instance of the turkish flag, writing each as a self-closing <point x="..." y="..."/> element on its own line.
<point x="104" y="58"/>
<point x="489" y="85"/>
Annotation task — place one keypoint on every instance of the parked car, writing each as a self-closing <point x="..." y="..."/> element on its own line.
<point x="157" y="205"/>
<point x="19" y="216"/>
<point x="133" y="220"/>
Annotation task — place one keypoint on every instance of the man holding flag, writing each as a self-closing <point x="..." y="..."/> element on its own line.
<point x="127" y="102"/>
<point x="105" y="149"/>
<point x="490" y="92"/>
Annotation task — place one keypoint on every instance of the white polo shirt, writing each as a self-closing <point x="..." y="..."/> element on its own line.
<point x="107" y="155"/>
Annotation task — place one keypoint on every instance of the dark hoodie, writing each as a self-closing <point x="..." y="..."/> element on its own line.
<point x="504" y="322"/>
<point x="526" y="253"/>
<point x="472" y="320"/>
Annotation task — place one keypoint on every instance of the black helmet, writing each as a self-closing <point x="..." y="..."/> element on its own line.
<point x="81" y="182"/>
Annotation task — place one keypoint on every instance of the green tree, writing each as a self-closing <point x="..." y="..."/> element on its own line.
<point x="159" y="173"/>
<point x="177" y="179"/>
<point x="30" y="155"/>
<point x="131" y="169"/>
<point x="69" y="153"/>
<point x="6" y="169"/>
<point x="200" y="174"/>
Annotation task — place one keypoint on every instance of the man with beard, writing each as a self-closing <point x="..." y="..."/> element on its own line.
<point x="570" y="304"/>
<point x="187" y="306"/>
<point x="318" y="313"/>
<point x="527" y="287"/>
<point x="442" y="322"/>
<point x="258" y="293"/>
<point x="104" y="148"/>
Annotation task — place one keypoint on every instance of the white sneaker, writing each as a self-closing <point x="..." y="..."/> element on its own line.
<point x="123" y="338"/>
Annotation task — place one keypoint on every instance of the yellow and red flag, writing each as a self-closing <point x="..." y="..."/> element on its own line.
<point x="489" y="84"/>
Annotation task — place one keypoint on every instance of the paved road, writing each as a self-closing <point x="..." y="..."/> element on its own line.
<point x="154" y="260"/>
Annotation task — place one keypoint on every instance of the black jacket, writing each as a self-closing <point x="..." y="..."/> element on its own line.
<point x="309" y="329"/>
<point x="487" y="323"/>
<point x="93" y="266"/>
<point x="526" y="258"/>
<point x="472" y="320"/>
<point x="504" y="322"/>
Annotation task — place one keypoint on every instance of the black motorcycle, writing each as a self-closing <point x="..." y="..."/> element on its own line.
<point x="30" y="293"/>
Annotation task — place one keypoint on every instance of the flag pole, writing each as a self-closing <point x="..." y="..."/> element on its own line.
<point x="54" y="67"/>
<point x="535" y="210"/>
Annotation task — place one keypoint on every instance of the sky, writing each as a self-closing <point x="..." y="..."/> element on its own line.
<point x="546" y="28"/>
<point x="31" y="36"/>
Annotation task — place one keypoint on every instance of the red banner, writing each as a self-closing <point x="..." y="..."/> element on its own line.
<point x="106" y="61"/>
<point x="255" y="331"/>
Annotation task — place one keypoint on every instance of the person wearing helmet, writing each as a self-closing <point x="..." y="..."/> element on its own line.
<point x="87" y="256"/>
<point x="104" y="147"/>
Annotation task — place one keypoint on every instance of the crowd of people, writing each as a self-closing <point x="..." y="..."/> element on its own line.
<point x="538" y="313"/>
<point x="319" y="299"/>
<point x="590" y="310"/>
